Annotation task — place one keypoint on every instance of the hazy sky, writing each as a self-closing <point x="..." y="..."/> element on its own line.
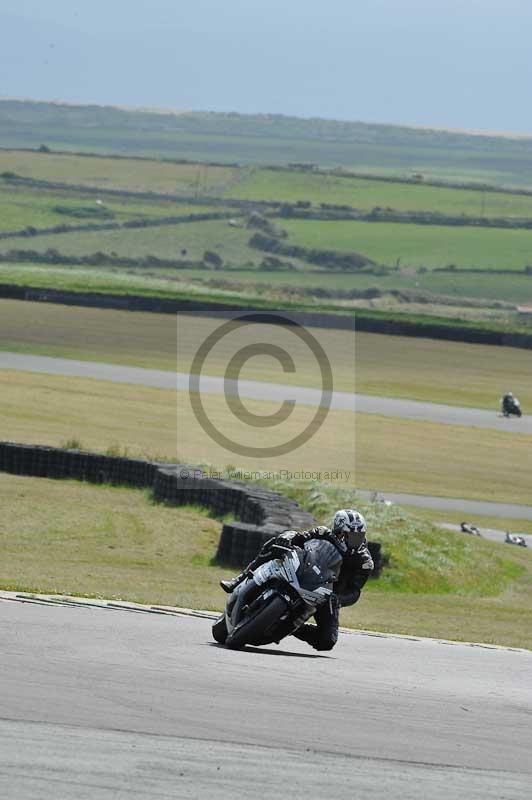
<point x="450" y="63"/>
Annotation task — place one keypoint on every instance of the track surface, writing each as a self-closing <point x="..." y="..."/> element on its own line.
<point x="481" y="507"/>
<point x="115" y="704"/>
<point x="393" y="407"/>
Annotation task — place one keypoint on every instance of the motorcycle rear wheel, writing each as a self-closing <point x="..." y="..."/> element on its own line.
<point x="255" y="628"/>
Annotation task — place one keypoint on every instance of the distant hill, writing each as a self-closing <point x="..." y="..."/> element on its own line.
<point x="267" y="139"/>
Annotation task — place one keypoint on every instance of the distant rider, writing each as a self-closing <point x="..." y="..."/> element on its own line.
<point x="508" y="403"/>
<point x="348" y="535"/>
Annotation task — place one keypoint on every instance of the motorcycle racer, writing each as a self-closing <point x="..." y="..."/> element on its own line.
<point x="348" y="535"/>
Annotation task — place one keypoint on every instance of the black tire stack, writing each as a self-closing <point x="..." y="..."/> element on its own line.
<point x="260" y="512"/>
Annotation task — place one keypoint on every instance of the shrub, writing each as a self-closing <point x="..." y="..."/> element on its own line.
<point x="212" y="259"/>
<point x="72" y="444"/>
<point x="273" y="264"/>
<point x="329" y="259"/>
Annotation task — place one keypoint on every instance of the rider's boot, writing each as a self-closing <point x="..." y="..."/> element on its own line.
<point x="230" y="585"/>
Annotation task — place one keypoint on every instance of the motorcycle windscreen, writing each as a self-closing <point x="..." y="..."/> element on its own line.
<point x="320" y="564"/>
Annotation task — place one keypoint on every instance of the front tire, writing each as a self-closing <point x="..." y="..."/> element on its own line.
<point x="219" y="630"/>
<point x="255" y="629"/>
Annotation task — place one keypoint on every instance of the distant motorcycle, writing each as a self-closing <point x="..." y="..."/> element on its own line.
<point x="511" y="408"/>
<point x="471" y="529"/>
<point x="280" y="596"/>
<point x="514" y="538"/>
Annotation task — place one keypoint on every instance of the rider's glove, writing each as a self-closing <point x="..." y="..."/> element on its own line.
<point x="287" y="539"/>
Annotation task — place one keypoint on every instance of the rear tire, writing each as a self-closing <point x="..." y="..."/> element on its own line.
<point x="255" y="629"/>
<point x="219" y="630"/>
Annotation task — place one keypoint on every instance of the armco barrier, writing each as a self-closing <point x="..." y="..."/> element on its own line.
<point x="261" y="512"/>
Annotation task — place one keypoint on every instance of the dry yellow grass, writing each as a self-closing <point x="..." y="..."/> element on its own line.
<point x="456" y="373"/>
<point x="504" y="620"/>
<point x="443" y="460"/>
<point x="67" y="537"/>
<point x="445" y="372"/>
<point x="162" y="341"/>
<point x="379" y="452"/>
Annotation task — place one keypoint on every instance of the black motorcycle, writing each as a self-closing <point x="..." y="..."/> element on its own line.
<point x="280" y="595"/>
<point x="511" y="408"/>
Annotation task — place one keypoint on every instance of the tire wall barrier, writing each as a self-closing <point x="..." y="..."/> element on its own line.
<point x="360" y="322"/>
<point x="162" y="305"/>
<point x="432" y="330"/>
<point x="261" y="512"/>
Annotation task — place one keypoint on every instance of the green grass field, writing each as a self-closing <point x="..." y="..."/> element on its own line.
<point x="22" y="207"/>
<point x="66" y="537"/>
<point x="120" y="173"/>
<point x="410" y="245"/>
<point x="267" y="139"/>
<point x="250" y="183"/>
<point x="440" y="293"/>
<point x="167" y="241"/>
<point x="292" y="186"/>
<point x="418" y="245"/>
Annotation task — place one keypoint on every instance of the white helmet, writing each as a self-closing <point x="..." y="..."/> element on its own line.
<point x="348" y="520"/>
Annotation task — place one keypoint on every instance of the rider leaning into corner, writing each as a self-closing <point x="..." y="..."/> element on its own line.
<point x="508" y="402"/>
<point x="348" y="535"/>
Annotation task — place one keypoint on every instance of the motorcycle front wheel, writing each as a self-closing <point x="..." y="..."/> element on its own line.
<point x="255" y="629"/>
<point x="219" y="630"/>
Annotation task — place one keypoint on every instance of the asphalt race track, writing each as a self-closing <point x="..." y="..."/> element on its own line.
<point x="484" y="508"/>
<point x="99" y="703"/>
<point x="256" y="390"/>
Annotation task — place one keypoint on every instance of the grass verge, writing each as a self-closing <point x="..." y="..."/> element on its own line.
<point x="67" y="537"/>
<point x="437" y="583"/>
<point x="428" y="370"/>
<point x="73" y="538"/>
<point x="373" y="452"/>
<point x="162" y="341"/>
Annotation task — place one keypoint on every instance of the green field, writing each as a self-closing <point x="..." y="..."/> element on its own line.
<point x="418" y="245"/>
<point x="22" y="207"/>
<point x="293" y="186"/>
<point x="267" y="139"/>
<point x="120" y="173"/>
<point x="415" y="246"/>
<point x="249" y="183"/>
<point x="167" y="241"/>
<point x="432" y="292"/>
